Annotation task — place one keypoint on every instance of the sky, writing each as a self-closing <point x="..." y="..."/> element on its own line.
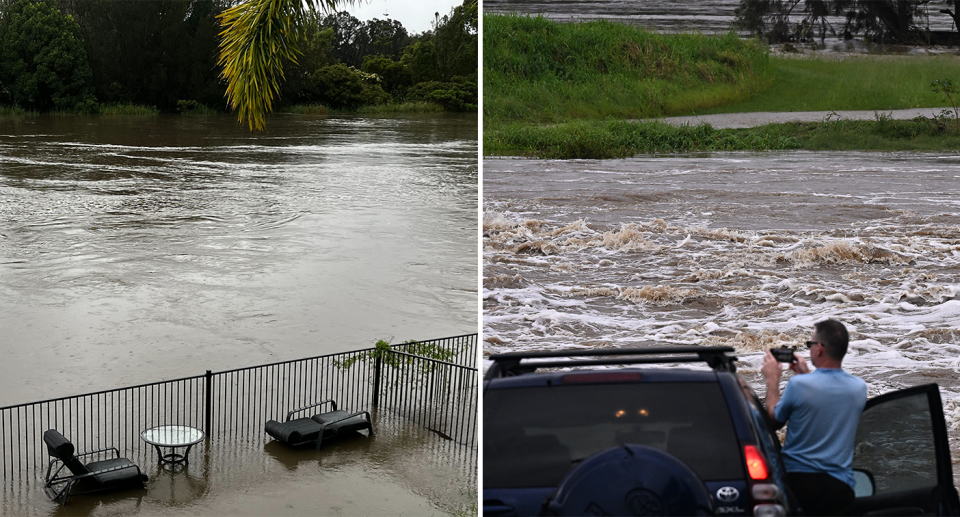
<point x="414" y="15"/>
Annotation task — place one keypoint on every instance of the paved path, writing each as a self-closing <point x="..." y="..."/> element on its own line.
<point x="742" y="120"/>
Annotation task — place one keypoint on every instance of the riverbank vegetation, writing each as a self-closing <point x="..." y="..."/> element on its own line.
<point x="540" y="71"/>
<point x="889" y="21"/>
<point x="620" y="139"/>
<point x="159" y="56"/>
<point x="852" y="83"/>
<point x="578" y="90"/>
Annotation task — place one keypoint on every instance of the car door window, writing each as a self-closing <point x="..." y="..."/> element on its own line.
<point x="895" y="442"/>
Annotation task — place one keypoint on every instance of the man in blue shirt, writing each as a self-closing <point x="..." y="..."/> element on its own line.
<point x="823" y="410"/>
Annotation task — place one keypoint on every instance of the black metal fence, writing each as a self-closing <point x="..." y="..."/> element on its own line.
<point x="438" y="395"/>
<point x="462" y="350"/>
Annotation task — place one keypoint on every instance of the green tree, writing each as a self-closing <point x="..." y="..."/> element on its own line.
<point x="395" y="77"/>
<point x="317" y="52"/>
<point x="340" y="86"/>
<point x="43" y="64"/>
<point x="350" y="38"/>
<point x="797" y="20"/>
<point x="153" y="52"/>
<point x="386" y="37"/>
<point x="421" y="59"/>
<point x="455" y="40"/>
<point x="258" y="38"/>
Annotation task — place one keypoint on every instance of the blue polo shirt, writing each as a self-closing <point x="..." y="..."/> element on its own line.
<point x="823" y="410"/>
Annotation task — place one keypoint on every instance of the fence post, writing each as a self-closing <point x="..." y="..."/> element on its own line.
<point x="376" y="378"/>
<point x="207" y="409"/>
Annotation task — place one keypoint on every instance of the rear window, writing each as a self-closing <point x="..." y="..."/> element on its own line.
<point x="534" y="436"/>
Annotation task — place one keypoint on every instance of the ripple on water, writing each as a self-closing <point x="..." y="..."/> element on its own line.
<point x="744" y="250"/>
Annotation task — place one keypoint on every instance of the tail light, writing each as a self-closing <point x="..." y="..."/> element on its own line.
<point x="765" y="496"/>
<point x="756" y="464"/>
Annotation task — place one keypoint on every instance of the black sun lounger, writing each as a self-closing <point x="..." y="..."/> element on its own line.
<point x="312" y="431"/>
<point x="110" y="474"/>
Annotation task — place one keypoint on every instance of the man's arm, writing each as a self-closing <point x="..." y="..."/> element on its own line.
<point x="771" y="374"/>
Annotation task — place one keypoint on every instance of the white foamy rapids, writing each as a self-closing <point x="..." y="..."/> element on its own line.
<point x="568" y="283"/>
<point x="741" y="249"/>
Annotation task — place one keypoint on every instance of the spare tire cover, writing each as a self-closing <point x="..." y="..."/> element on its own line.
<point x="631" y="480"/>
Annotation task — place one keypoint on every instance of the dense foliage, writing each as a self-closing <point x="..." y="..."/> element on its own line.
<point x="877" y="20"/>
<point x="349" y="63"/>
<point x="43" y="64"/>
<point x="618" y="139"/>
<point x="152" y="52"/>
<point x="261" y="37"/>
<point x="76" y="55"/>
<point x="538" y="70"/>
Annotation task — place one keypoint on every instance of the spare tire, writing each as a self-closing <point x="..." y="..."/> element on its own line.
<point x="630" y="480"/>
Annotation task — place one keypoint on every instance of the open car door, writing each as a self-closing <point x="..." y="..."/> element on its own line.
<point x="901" y="458"/>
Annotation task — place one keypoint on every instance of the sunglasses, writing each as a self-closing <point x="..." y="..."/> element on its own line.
<point x="811" y="343"/>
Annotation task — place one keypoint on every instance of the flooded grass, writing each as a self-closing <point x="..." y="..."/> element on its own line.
<point x="306" y="109"/>
<point x="853" y="83"/>
<point x="537" y="70"/>
<point x="620" y="139"/>
<point x="403" y="107"/>
<point x="128" y="109"/>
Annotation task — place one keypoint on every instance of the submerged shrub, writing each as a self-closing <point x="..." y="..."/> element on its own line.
<point x="340" y="86"/>
<point x="453" y="96"/>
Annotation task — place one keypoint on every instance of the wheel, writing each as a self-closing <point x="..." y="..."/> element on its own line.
<point x="630" y="480"/>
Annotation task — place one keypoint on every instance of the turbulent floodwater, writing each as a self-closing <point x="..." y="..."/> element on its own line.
<point x="708" y="16"/>
<point x="136" y="250"/>
<point x="745" y="250"/>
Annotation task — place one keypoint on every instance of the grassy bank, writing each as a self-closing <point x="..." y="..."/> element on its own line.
<point x="568" y="90"/>
<point x="853" y="83"/>
<point x="103" y="109"/>
<point x="540" y="71"/>
<point x="619" y="139"/>
<point x="193" y="108"/>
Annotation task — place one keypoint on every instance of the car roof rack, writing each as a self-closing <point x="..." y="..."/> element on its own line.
<point x="512" y="363"/>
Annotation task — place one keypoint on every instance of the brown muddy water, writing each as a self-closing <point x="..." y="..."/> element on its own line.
<point x="739" y="249"/>
<point x="401" y="471"/>
<point x="135" y="250"/>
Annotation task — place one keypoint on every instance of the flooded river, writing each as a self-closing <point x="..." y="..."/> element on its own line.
<point x="141" y="249"/>
<point x="745" y="250"/>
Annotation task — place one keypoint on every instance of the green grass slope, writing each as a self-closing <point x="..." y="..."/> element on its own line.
<point x="540" y="71"/>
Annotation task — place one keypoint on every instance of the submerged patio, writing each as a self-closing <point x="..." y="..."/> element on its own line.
<point x="421" y="460"/>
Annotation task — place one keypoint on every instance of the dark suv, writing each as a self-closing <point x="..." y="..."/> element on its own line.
<point x="595" y="436"/>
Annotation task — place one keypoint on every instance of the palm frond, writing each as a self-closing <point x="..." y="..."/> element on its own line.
<point x="257" y="38"/>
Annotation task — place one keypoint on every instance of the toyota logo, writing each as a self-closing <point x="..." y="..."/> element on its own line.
<point x="728" y="494"/>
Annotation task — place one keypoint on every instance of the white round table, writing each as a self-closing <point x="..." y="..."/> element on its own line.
<point x="172" y="437"/>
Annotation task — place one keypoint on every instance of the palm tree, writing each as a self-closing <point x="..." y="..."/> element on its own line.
<point x="258" y="36"/>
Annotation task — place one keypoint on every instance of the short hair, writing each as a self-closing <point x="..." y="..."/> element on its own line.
<point x="834" y="337"/>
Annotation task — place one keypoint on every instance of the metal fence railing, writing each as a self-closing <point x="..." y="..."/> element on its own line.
<point x="462" y="350"/>
<point x="235" y="404"/>
<point x="437" y="395"/>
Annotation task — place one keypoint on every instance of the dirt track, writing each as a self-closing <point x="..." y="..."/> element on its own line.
<point x="743" y="120"/>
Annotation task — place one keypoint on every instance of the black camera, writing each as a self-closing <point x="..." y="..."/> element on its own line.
<point x="784" y="355"/>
